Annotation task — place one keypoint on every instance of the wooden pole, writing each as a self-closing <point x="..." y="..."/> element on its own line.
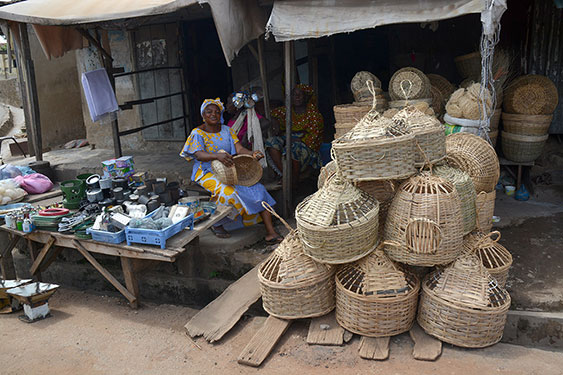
<point x="263" y="76"/>
<point x="31" y="88"/>
<point x="23" y="91"/>
<point x="287" y="162"/>
<point x="9" y="49"/>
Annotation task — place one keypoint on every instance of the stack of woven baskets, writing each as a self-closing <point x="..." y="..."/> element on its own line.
<point x="529" y="103"/>
<point x="409" y="86"/>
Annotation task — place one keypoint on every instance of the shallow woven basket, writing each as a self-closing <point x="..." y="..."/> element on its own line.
<point x="474" y="156"/>
<point x="484" y="210"/>
<point x="424" y="224"/>
<point x="442" y="84"/>
<point x="375" y="298"/>
<point x="495" y="257"/>
<point x="338" y="224"/>
<point x="246" y="171"/>
<point x="463" y="304"/>
<point x="294" y="286"/>
<point x="325" y="173"/>
<point x="466" y="191"/>
<point x="469" y="66"/>
<point x="383" y="191"/>
<point x="409" y="83"/>
<point x="351" y="113"/>
<point x="535" y="125"/>
<point x="522" y="148"/>
<point x="341" y="128"/>
<point x="531" y="95"/>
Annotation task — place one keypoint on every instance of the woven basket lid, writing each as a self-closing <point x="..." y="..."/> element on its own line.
<point x="409" y="83"/>
<point x="493" y="255"/>
<point x="337" y="202"/>
<point x="415" y="119"/>
<point x="377" y="276"/>
<point x="466" y="283"/>
<point x="358" y="83"/>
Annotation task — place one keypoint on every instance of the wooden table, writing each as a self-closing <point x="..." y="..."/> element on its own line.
<point x="134" y="258"/>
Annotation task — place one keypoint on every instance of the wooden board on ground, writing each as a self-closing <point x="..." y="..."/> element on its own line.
<point x="426" y="347"/>
<point x="217" y="318"/>
<point x="374" y="348"/>
<point x="325" y="330"/>
<point x="54" y="192"/>
<point x="263" y="341"/>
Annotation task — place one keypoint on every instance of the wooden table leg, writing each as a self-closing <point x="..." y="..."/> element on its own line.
<point x="35" y="267"/>
<point x="519" y="177"/>
<point x="131" y="281"/>
<point x="32" y="247"/>
<point x="6" y="259"/>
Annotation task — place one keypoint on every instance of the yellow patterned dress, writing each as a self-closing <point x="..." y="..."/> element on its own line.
<point x="247" y="200"/>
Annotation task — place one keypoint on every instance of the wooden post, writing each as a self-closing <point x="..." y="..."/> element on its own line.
<point x="287" y="162"/>
<point x="9" y="49"/>
<point x="263" y="76"/>
<point x="31" y="89"/>
<point x="23" y="92"/>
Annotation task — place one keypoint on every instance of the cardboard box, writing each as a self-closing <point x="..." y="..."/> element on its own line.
<point x="121" y="167"/>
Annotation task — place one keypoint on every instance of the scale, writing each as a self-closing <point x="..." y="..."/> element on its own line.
<point x="7" y="303"/>
<point x="34" y="298"/>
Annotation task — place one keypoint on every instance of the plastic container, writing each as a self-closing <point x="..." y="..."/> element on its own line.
<point x="509" y="190"/>
<point x="108" y="237"/>
<point x="157" y="237"/>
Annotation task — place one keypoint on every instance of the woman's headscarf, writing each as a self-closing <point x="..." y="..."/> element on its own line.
<point x="217" y="102"/>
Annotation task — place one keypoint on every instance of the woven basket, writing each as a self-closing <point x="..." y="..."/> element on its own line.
<point x="437" y="100"/>
<point x="350" y="113"/>
<point x="469" y="66"/>
<point x="338" y="224"/>
<point x="531" y="95"/>
<point x="474" y="156"/>
<point x="522" y="148"/>
<point x="359" y="87"/>
<point x="342" y="128"/>
<point x="375" y="298"/>
<point x="424" y="225"/>
<point x="496" y="259"/>
<point x="493" y="136"/>
<point x="466" y="191"/>
<point x="526" y="124"/>
<point x="325" y="173"/>
<point x="294" y="286"/>
<point x="409" y="83"/>
<point x="495" y="119"/>
<point x="246" y="171"/>
<point x="400" y="104"/>
<point x="442" y="84"/>
<point x="463" y="304"/>
<point x="383" y="191"/>
<point x="484" y="210"/>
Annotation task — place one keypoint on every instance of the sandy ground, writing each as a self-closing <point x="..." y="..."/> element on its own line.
<point x="94" y="334"/>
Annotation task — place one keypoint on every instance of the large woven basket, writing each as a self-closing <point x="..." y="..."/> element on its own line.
<point x="463" y="304"/>
<point x="428" y="132"/>
<point x="326" y="172"/>
<point x="484" y="210"/>
<point x="531" y="95"/>
<point x="409" y="83"/>
<point x="383" y="191"/>
<point x="338" y="224"/>
<point x="495" y="257"/>
<point x="522" y="148"/>
<point x="400" y="104"/>
<point x="495" y="119"/>
<point x="375" y="298"/>
<point x="294" y="286"/>
<point x="359" y="88"/>
<point x="493" y="136"/>
<point x="526" y="124"/>
<point x="437" y="100"/>
<point x="246" y="171"/>
<point x="442" y="84"/>
<point x="341" y="128"/>
<point x="466" y="191"/>
<point x="351" y="113"/>
<point x="469" y="66"/>
<point x="424" y="224"/>
<point x="474" y="156"/>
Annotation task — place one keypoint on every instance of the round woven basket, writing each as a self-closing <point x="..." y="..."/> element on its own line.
<point x="409" y="83"/>
<point x="442" y="84"/>
<point x="474" y="156"/>
<point x="400" y="104"/>
<point x="463" y="304"/>
<point x="484" y="210"/>
<point x="374" y="298"/>
<point x="469" y="66"/>
<point x="246" y="171"/>
<point x="294" y="286"/>
<point x="365" y="96"/>
<point x="522" y="148"/>
<point x="424" y="224"/>
<point x="495" y="257"/>
<point x="535" y="125"/>
<point x="531" y="95"/>
<point x="383" y="191"/>
<point x="325" y="173"/>
<point x="342" y="128"/>
<point x="437" y="100"/>
<point x="466" y="191"/>
<point x="351" y="113"/>
<point x="338" y="224"/>
<point x="359" y="87"/>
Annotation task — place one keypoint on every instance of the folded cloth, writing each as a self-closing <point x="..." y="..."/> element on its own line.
<point x="99" y="93"/>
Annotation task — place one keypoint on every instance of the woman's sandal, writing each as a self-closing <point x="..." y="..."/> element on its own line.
<point x="220" y="233"/>
<point x="274" y="240"/>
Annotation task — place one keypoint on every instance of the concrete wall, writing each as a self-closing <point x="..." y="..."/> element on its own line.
<point x="10" y="92"/>
<point x="58" y="90"/>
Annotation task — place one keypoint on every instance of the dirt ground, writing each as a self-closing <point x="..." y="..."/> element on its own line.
<point x="95" y="334"/>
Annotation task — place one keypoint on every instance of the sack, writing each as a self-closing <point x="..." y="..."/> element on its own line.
<point x="34" y="183"/>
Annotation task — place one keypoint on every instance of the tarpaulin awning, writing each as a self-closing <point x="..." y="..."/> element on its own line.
<point x="301" y="19"/>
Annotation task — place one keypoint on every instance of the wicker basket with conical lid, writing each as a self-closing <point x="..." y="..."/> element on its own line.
<point x="495" y="257"/>
<point x="375" y="298"/>
<point x="463" y="304"/>
<point x="338" y="224"/>
<point x="424" y="224"/>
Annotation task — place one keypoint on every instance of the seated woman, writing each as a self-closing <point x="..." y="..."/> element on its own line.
<point x="203" y="145"/>
<point x="306" y="131"/>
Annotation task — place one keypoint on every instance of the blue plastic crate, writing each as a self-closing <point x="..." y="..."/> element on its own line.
<point x="157" y="237"/>
<point x="108" y="237"/>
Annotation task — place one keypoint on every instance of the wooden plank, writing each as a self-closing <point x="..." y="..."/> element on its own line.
<point x="109" y="277"/>
<point x="54" y="254"/>
<point x="13" y="242"/>
<point x="263" y="341"/>
<point x="325" y="330"/>
<point x="286" y="181"/>
<point x="217" y="318"/>
<point x="32" y="247"/>
<point x="374" y="348"/>
<point x="35" y="198"/>
<point x="130" y="277"/>
<point x="426" y="347"/>
<point x="42" y="254"/>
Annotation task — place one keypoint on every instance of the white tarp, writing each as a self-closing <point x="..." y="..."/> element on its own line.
<point x="301" y="19"/>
